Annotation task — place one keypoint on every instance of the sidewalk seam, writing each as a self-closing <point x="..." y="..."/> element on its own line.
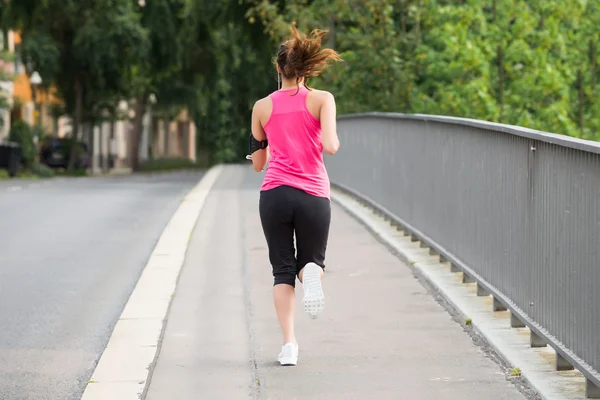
<point x="258" y="390"/>
<point x="125" y="367"/>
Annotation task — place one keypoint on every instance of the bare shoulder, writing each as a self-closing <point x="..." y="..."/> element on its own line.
<point x="317" y="100"/>
<point x="322" y="96"/>
<point x="263" y="104"/>
<point x="263" y="108"/>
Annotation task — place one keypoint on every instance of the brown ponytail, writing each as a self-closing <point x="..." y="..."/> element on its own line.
<point x="302" y="57"/>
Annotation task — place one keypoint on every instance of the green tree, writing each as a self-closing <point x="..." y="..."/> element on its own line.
<point x="94" y="45"/>
<point x="529" y="63"/>
<point x="5" y="57"/>
<point x="234" y="68"/>
<point x="159" y="71"/>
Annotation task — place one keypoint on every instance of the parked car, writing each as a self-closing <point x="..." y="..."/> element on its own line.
<point x="54" y="152"/>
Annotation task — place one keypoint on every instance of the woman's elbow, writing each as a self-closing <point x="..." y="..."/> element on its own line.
<point x="331" y="149"/>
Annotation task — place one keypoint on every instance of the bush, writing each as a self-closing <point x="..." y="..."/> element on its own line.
<point x="42" y="171"/>
<point x="4" y="174"/>
<point x="40" y="133"/>
<point x="22" y="134"/>
<point x="167" y="164"/>
<point x="74" y="173"/>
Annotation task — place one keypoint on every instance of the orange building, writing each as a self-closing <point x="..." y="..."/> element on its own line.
<point x="111" y="140"/>
<point x="24" y="104"/>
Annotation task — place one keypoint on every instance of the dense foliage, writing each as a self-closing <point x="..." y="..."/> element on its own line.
<point x="532" y="63"/>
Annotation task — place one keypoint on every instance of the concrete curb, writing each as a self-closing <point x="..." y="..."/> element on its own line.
<point x="512" y="344"/>
<point x="124" y="367"/>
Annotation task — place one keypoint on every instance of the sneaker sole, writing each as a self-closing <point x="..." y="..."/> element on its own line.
<point x="288" y="362"/>
<point x="314" y="298"/>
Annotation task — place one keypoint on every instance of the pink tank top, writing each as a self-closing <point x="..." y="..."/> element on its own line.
<point x="295" y="146"/>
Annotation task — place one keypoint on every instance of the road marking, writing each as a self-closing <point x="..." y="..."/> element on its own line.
<point x="123" y="370"/>
<point x="14" y="188"/>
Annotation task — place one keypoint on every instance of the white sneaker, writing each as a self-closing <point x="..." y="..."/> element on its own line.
<point x="314" y="298"/>
<point x="289" y="354"/>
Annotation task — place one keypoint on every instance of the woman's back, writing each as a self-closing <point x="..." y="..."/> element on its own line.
<point x="296" y="149"/>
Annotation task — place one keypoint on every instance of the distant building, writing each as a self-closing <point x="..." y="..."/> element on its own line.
<point x="110" y="142"/>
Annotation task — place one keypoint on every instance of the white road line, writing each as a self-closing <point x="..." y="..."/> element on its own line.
<point x="123" y="369"/>
<point x="14" y="188"/>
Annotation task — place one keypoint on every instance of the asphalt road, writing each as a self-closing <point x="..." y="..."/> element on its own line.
<point x="71" y="252"/>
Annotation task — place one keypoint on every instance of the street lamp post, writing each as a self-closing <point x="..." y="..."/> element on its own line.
<point x="151" y="126"/>
<point x="36" y="80"/>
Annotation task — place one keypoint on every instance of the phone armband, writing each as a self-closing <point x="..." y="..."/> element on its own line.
<point x="256" y="145"/>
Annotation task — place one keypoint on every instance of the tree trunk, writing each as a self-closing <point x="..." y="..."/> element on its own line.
<point x="332" y="35"/>
<point x="152" y="138"/>
<point x="111" y="155"/>
<point x="594" y="63"/>
<point x="500" y="81"/>
<point x="140" y="109"/>
<point x="403" y="14"/>
<point x="581" y="102"/>
<point x="88" y="132"/>
<point x="101" y="149"/>
<point x="76" y="124"/>
<point x="418" y="25"/>
<point x="166" y="137"/>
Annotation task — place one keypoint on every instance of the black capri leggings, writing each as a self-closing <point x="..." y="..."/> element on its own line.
<point x="284" y="211"/>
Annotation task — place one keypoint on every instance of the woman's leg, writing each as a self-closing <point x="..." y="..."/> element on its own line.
<point x="312" y="221"/>
<point x="276" y="215"/>
<point x="284" y="297"/>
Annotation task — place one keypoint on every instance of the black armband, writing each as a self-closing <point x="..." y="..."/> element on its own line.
<point x="257" y="145"/>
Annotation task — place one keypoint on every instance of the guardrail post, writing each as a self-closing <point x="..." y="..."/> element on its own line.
<point x="467" y="278"/>
<point x="443" y="260"/>
<point x="481" y="291"/>
<point x="562" y="364"/>
<point x="592" y="391"/>
<point x="536" y="341"/>
<point x="515" y="322"/>
<point x="498" y="306"/>
<point x="414" y="238"/>
<point x="454" y="268"/>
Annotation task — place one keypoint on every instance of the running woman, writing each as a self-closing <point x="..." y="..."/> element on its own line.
<point x="293" y="126"/>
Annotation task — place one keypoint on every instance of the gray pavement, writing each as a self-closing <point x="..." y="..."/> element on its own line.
<point x="382" y="335"/>
<point x="71" y="252"/>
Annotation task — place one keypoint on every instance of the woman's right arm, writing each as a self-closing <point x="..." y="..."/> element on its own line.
<point x="259" y="157"/>
<point x="329" y="137"/>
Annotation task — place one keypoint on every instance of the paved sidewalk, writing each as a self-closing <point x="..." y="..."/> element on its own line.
<point x="382" y="335"/>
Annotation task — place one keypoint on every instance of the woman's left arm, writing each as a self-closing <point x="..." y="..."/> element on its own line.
<point x="259" y="157"/>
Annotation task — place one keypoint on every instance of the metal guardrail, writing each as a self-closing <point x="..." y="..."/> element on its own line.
<point x="517" y="210"/>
